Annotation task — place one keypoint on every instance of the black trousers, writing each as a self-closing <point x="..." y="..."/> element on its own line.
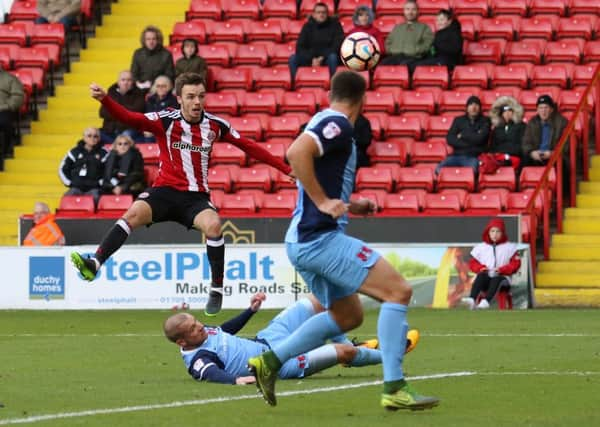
<point x="487" y="284"/>
<point x="8" y="120"/>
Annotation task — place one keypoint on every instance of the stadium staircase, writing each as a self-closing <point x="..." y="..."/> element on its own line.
<point x="571" y="277"/>
<point x="33" y="173"/>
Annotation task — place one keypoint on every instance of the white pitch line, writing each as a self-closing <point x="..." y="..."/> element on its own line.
<point x="107" y="411"/>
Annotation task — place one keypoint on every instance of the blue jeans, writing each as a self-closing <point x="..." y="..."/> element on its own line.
<point x="67" y="21"/>
<point x="302" y="60"/>
<point x="459" y="161"/>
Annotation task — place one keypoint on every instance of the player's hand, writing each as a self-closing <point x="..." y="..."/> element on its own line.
<point x="362" y="207"/>
<point x="257" y="300"/>
<point x="245" y="380"/>
<point x="334" y="207"/>
<point x="97" y="92"/>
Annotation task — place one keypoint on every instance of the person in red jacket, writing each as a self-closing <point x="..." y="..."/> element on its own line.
<point x="363" y="23"/>
<point x="494" y="261"/>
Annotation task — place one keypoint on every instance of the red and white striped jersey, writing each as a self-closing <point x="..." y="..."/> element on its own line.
<point x="185" y="147"/>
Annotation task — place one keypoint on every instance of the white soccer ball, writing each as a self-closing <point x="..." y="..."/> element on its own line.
<point x="360" y="51"/>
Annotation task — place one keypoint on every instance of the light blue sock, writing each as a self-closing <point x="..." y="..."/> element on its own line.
<point x="311" y="334"/>
<point x="366" y="356"/>
<point x="392" y="339"/>
<point x="341" y="339"/>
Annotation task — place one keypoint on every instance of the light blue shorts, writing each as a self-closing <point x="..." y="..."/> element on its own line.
<point x="333" y="266"/>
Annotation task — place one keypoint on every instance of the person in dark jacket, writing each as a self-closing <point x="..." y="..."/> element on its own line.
<point x="161" y="97"/>
<point x="468" y="136"/>
<point x="129" y="96"/>
<point x="507" y="131"/>
<point x="447" y="42"/>
<point x="124" y="169"/>
<point x="362" y="138"/>
<point x="152" y="59"/>
<point x="191" y="62"/>
<point x="319" y="42"/>
<point x="12" y="97"/>
<point x="83" y="167"/>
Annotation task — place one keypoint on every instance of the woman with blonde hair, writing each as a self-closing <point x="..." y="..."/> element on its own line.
<point x="124" y="170"/>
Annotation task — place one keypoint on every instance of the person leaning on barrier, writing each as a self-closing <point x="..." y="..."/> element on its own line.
<point x="45" y="231"/>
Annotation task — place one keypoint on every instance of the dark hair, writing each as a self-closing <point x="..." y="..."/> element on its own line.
<point x="412" y="1"/>
<point x="447" y="13"/>
<point x="188" y="79"/>
<point x="152" y="29"/>
<point x="321" y="4"/>
<point x="347" y="86"/>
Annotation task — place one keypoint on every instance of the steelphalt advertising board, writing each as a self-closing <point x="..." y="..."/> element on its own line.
<point x="159" y="277"/>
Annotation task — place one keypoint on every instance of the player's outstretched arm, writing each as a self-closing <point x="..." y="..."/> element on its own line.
<point x="255" y="151"/>
<point x="233" y="326"/>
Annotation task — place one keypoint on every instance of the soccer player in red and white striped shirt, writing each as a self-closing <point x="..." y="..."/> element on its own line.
<point x="180" y="193"/>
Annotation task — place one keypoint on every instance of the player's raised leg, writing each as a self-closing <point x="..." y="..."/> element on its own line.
<point x="139" y="213"/>
<point x="209" y="223"/>
<point x="385" y="284"/>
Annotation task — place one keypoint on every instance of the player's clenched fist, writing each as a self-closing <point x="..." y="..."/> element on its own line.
<point x="97" y="92"/>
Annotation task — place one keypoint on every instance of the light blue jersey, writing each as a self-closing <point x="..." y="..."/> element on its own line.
<point x="335" y="170"/>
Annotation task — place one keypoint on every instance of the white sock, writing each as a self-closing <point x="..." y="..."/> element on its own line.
<point x="483" y="304"/>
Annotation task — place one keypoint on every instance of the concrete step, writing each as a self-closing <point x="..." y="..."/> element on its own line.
<point x="75" y="91"/>
<point x="10" y="215"/>
<point x="595" y="161"/>
<point x="589" y="187"/>
<point x="104" y="79"/>
<point x="595" y="174"/>
<point x="18" y="165"/>
<point x="92" y="68"/>
<point x="109" y="43"/>
<point x="574" y="253"/>
<point x="59" y="115"/>
<point x="588" y="201"/>
<point x="24" y="204"/>
<point x="51" y="154"/>
<point x="134" y="28"/>
<point x="581" y="226"/>
<point x="72" y="104"/>
<point x="73" y="126"/>
<point x="567" y="280"/>
<point x="119" y="20"/>
<point x="55" y="140"/>
<point x="110" y="56"/>
<point x="561" y="240"/>
<point x="582" y="213"/>
<point x="560" y="267"/>
<point x="157" y="10"/>
<point x="28" y="178"/>
<point x="9" y="240"/>
<point x="546" y="297"/>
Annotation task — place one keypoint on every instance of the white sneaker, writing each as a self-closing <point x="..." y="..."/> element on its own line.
<point x="468" y="302"/>
<point x="483" y="304"/>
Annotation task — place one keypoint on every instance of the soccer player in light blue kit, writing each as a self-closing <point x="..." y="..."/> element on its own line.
<point x="337" y="267"/>
<point x="215" y="354"/>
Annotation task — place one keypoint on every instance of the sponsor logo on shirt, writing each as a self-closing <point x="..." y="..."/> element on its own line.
<point x="191" y="147"/>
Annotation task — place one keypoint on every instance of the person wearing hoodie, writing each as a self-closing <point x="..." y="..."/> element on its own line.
<point x="126" y="94"/>
<point x="507" y="131"/>
<point x="447" y="42"/>
<point x="363" y="23"/>
<point x="190" y="62"/>
<point x="152" y="59"/>
<point x="82" y="168"/>
<point x="494" y="260"/>
<point x="319" y="42"/>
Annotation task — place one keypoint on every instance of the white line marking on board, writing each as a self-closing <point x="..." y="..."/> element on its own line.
<point x="107" y="411"/>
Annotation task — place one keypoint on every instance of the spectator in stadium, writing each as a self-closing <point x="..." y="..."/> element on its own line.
<point x="409" y="41"/>
<point x="335" y="266"/>
<point x="363" y="22"/>
<point x="493" y="261"/>
<point x="126" y="94"/>
<point x="319" y="42"/>
<point x="507" y="131"/>
<point x="468" y="136"/>
<point x="152" y="59"/>
<point x="543" y="132"/>
<point x="64" y="11"/>
<point x="83" y="167"/>
<point x="191" y="62"/>
<point x="12" y="97"/>
<point x="124" y="168"/>
<point x="180" y="193"/>
<point x="447" y="42"/>
<point x="215" y="354"/>
<point x="45" y="231"/>
<point x="161" y="97"/>
<point x="363" y="136"/>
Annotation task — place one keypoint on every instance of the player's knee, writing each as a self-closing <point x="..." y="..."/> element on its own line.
<point x="213" y="229"/>
<point x="345" y="353"/>
<point x="350" y="321"/>
<point x="400" y="292"/>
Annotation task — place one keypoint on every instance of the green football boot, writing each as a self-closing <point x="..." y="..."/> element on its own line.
<point x="407" y="398"/>
<point x="85" y="266"/>
<point x="265" y="378"/>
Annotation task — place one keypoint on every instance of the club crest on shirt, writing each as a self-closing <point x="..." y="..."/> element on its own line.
<point x="211" y="135"/>
<point x="152" y="116"/>
<point x="143" y="195"/>
<point x="198" y="365"/>
<point x="331" y="130"/>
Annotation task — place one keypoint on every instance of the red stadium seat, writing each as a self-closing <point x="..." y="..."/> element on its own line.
<point x="237" y="204"/>
<point x="279" y="9"/>
<point x="432" y="7"/>
<point x="254" y="177"/>
<point x="502" y="193"/>
<point x="23" y="11"/>
<point x="312" y="77"/>
<point x="301" y="102"/>
<point x="418" y="192"/>
<point x="553" y="75"/>
<point x="483" y="204"/>
<point x="575" y="26"/>
<point x="441" y="204"/>
<point x="80" y="206"/>
<point x="380" y="100"/>
<point x="276" y="149"/>
<point x="188" y="30"/>
<point x="259" y="102"/>
<point x="223" y="152"/>
<point x="273" y="77"/>
<point x="204" y="9"/>
<point x="510" y="75"/>
<point x="150" y="153"/>
<point x="504" y="177"/>
<point x="14" y="33"/>
<point x="374" y="178"/>
<point x="502" y="27"/>
<point x="150" y="174"/>
<point x="389" y="7"/>
<point x="391" y="75"/>
<point x="470" y="26"/>
<point x="293" y="28"/>
<point x="488" y="97"/>
<point x="269" y="30"/>
<point x="540" y="26"/>
<point x="249" y="9"/>
<point x="456" y="177"/>
<point x="280" y="53"/>
<point x="433" y="151"/>
<point x="215" y="54"/>
<point x="529" y="50"/>
<point x="430" y="75"/>
<point x="532" y="175"/>
<point x="552" y="7"/>
<point x="233" y="78"/>
<point x="470" y="75"/>
<point x="455" y="100"/>
<point x="378" y="122"/>
<point x="509" y="7"/>
<point x="226" y="31"/>
<point x="110" y="204"/>
<point x="247" y="126"/>
<point x="287" y="125"/>
<point x="584" y="6"/>
<point x="517" y="203"/>
<point x="563" y="51"/>
<point x="401" y="204"/>
<point x="219" y="178"/>
<point x="415" y="177"/>
<point x="438" y="126"/>
<point x="417" y="100"/>
<point x="307" y="6"/>
<point x="386" y="24"/>
<point x="404" y="126"/>
<point x="347" y="7"/>
<point x="591" y="51"/>
<point x="528" y="98"/>
<point x="387" y="152"/>
<point x="278" y="204"/>
<point x="582" y="74"/>
<point x="569" y="100"/>
<point x="26" y="78"/>
<point x="250" y="54"/>
<point x="472" y="7"/>
<point x="221" y="103"/>
<point x="33" y="57"/>
<point x="484" y="51"/>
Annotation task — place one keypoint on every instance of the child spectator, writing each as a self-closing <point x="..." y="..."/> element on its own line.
<point x="190" y="62"/>
<point x="494" y="261"/>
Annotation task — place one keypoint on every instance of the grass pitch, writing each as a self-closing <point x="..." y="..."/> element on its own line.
<point x="98" y="368"/>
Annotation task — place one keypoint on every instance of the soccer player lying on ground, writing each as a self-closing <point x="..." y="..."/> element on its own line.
<point x="337" y="267"/>
<point x="180" y="193"/>
<point x="215" y="354"/>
